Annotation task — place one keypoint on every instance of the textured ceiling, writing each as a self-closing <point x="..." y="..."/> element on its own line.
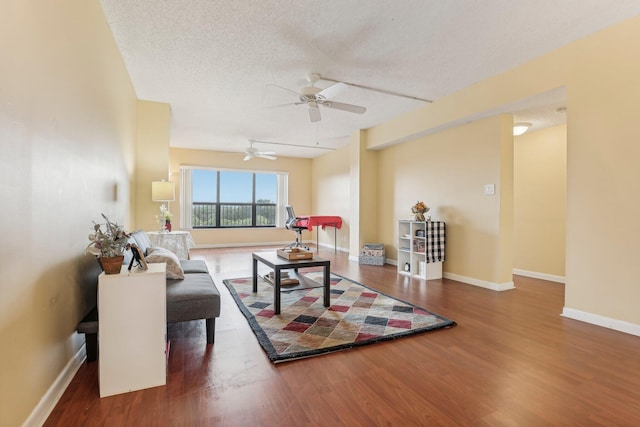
<point x="213" y="61"/>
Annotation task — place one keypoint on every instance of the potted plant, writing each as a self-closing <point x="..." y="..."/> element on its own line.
<point x="108" y="245"/>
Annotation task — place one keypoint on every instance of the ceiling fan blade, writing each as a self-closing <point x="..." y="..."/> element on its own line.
<point x="268" y="153"/>
<point x="247" y="157"/>
<point x="332" y="91"/>
<point x="293" y="92"/>
<point x="265" y="156"/>
<point x="314" y="113"/>
<point x="286" y="105"/>
<point x="344" y="107"/>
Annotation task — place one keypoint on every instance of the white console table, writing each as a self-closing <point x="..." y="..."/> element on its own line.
<point x="133" y="329"/>
<point x="178" y="242"/>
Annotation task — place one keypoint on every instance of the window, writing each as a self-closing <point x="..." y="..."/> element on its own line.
<point x="216" y="198"/>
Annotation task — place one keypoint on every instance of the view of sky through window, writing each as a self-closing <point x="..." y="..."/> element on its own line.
<point x="235" y="187"/>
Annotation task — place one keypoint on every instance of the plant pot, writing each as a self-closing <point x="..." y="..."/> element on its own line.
<point x="167" y="225"/>
<point x="111" y="265"/>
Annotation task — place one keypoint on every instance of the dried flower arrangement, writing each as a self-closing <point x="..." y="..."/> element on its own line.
<point x="419" y="209"/>
<point x="111" y="242"/>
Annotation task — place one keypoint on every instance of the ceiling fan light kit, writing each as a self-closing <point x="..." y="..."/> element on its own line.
<point x="314" y="97"/>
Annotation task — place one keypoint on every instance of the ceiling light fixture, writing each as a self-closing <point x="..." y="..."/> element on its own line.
<point x="520" y="128"/>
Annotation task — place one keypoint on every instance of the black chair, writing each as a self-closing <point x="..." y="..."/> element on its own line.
<point x="292" y="224"/>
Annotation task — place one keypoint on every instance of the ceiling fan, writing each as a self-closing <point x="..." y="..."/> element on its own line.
<point x="314" y="97"/>
<point x="251" y="152"/>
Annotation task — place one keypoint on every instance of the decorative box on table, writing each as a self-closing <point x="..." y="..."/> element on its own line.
<point x="294" y="253"/>
<point x="372" y="254"/>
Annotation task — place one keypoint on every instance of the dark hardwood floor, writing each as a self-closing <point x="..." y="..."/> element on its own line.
<point x="512" y="360"/>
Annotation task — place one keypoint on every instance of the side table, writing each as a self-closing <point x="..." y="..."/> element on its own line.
<point x="133" y="329"/>
<point x="277" y="264"/>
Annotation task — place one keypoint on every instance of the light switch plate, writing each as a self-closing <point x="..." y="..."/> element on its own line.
<point x="489" y="189"/>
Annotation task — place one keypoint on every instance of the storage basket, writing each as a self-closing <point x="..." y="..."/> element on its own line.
<point x="372" y="254"/>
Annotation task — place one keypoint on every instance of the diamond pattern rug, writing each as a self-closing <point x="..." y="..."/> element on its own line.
<point x="357" y="316"/>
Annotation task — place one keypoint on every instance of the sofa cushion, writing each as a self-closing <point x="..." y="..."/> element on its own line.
<point x="157" y="255"/>
<point x="195" y="297"/>
<point x="190" y="266"/>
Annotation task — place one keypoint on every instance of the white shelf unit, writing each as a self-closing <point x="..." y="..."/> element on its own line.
<point x="412" y="257"/>
<point x="133" y="329"/>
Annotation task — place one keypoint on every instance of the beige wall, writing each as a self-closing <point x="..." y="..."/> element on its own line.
<point x="152" y="159"/>
<point x="603" y="177"/>
<point x="365" y="175"/>
<point x="600" y="73"/>
<point x="448" y="171"/>
<point x="67" y="132"/>
<point x="299" y="194"/>
<point x="540" y="200"/>
<point x="330" y="189"/>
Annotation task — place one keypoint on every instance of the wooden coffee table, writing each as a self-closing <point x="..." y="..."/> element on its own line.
<point x="277" y="264"/>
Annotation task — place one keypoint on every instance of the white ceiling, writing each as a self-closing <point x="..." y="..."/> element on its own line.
<point x="212" y="60"/>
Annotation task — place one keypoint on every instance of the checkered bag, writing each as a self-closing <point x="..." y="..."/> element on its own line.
<point x="436" y="235"/>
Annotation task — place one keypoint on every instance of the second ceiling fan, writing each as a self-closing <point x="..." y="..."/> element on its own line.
<point x="251" y="152"/>
<point x="314" y="97"/>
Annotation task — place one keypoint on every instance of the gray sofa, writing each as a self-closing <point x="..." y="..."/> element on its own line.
<point x="193" y="298"/>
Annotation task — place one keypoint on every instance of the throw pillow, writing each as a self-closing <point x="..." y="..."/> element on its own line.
<point x="142" y="240"/>
<point x="174" y="269"/>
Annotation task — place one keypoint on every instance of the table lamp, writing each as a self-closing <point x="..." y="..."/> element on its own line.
<point x="162" y="191"/>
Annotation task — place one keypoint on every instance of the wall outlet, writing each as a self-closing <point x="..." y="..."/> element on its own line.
<point x="489" y="189"/>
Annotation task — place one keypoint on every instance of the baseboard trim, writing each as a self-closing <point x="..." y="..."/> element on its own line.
<point x="542" y="276"/>
<point x="603" y="321"/>
<point x="469" y="280"/>
<point x="330" y="246"/>
<point x="50" y="399"/>
<point x="481" y="283"/>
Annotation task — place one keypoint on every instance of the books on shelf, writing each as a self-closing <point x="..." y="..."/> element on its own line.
<point x="285" y="279"/>
<point x="283" y="275"/>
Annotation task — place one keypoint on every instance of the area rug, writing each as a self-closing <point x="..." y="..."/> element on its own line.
<point x="357" y="316"/>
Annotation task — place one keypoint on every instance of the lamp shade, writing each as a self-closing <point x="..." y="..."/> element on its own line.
<point x="162" y="191"/>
